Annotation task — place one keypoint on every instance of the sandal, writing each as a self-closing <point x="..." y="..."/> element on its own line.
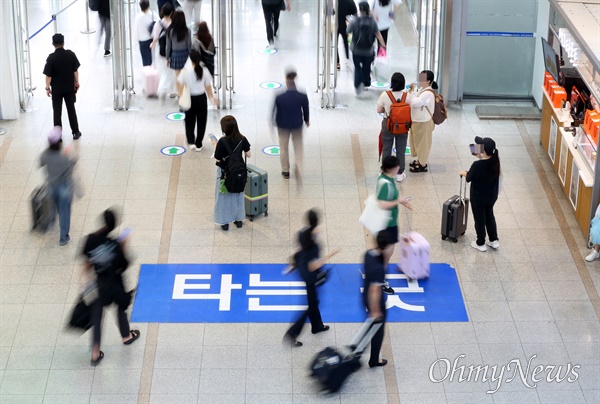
<point x="414" y="163"/>
<point x="98" y="359"/>
<point x="135" y="334"/>
<point x="419" y="168"/>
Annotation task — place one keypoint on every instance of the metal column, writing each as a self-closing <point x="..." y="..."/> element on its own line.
<point x="222" y="21"/>
<point x="326" y="52"/>
<point x="19" y="9"/>
<point x="121" y="58"/>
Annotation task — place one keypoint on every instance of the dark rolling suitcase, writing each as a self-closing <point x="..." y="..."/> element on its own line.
<point x="256" y="194"/>
<point x="455" y="213"/>
<point x="331" y="368"/>
<point x="42" y="208"/>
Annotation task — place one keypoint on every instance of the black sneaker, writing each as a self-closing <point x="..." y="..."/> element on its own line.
<point x="286" y="174"/>
<point x="107" y="53"/>
<point x="387" y="289"/>
<point x="239" y="224"/>
<point x="76" y="135"/>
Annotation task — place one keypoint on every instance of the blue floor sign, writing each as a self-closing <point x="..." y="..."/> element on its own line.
<point x="260" y="293"/>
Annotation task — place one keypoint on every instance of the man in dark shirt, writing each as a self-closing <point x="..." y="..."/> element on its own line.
<point x="373" y="297"/>
<point x="104" y="16"/>
<point x="291" y="112"/>
<point x="62" y="82"/>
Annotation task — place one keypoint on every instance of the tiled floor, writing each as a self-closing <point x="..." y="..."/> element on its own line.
<point x="528" y="298"/>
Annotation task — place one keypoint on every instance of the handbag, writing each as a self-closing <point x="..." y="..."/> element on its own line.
<point x="81" y="317"/>
<point x="185" y="99"/>
<point x="373" y="217"/>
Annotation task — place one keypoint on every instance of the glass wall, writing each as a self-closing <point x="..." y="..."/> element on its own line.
<point x="499" y="48"/>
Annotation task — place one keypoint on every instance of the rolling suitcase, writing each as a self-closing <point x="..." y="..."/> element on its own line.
<point x="331" y="369"/>
<point x="42" y="208"/>
<point x="413" y="258"/>
<point x="150" y="80"/>
<point x="256" y="194"/>
<point x="455" y="213"/>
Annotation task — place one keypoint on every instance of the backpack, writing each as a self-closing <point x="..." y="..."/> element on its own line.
<point x="398" y="121"/>
<point x="439" y="111"/>
<point x="94" y="5"/>
<point x="151" y="25"/>
<point x="365" y="36"/>
<point x="236" y="173"/>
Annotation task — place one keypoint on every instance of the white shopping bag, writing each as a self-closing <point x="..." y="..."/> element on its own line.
<point x="373" y="217"/>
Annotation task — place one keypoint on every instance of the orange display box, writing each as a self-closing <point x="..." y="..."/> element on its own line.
<point x="591" y="124"/>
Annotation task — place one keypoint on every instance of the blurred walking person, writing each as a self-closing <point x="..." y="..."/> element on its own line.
<point x="59" y="172"/>
<point x="345" y="8"/>
<point x="179" y="43"/>
<point x="104" y="16"/>
<point x="290" y="113"/>
<point x="106" y="257"/>
<point x="309" y="265"/>
<point x="271" y="11"/>
<point x="143" y="23"/>
<point x="203" y="42"/>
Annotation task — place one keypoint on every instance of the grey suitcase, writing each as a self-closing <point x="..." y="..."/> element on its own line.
<point x="256" y="194"/>
<point x="42" y="208"/>
<point x="455" y="213"/>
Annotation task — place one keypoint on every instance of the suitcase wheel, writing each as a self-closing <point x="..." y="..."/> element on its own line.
<point x="267" y="213"/>
<point x="444" y="237"/>
<point x="251" y="217"/>
<point x="455" y="240"/>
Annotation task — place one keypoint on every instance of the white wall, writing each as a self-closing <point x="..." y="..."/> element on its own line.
<point x="543" y="19"/>
<point x="9" y="92"/>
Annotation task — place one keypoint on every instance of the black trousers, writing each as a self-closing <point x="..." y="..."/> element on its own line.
<point x="377" y="340"/>
<point x="384" y="34"/>
<point x="113" y="294"/>
<point x="196" y="116"/>
<point x="342" y="31"/>
<point x="483" y="216"/>
<point x="271" y="13"/>
<point x="57" y="99"/>
<point x="146" y="52"/>
<point x="312" y="313"/>
<point x="362" y="70"/>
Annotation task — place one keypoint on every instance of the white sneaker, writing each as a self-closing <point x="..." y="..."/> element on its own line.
<point x="494" y="244"/>
<point x="199" y="148"/>
<point x="400" y="177"/>
<point x="191" y="146"/>
<point x="481" y="248"/>
<point x="593" y="255"/>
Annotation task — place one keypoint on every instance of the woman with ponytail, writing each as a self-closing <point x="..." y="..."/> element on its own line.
<point x="484" y="176"/>
<point x="309" y="265"/>
<point x="198" y="80"/>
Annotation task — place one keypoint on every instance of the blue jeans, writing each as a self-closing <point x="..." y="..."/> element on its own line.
<point x="362" y="70"/>
<point x="62" y="195"/>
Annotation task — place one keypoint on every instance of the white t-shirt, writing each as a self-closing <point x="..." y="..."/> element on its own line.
<point x="381" y="14"/>
<point x="385" y="102"/>
<point x="142" y="23"/>
<point x="422" y="104"/>
<point x="197" y="87"/>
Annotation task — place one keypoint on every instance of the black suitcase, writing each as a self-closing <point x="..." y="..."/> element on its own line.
<point x="42" y="208"/>
<point x="455" y="213"/>
<point x="256" y="194"/>
<point x="331" y="368"/>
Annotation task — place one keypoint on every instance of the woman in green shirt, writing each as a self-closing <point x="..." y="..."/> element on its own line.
<point x="389" y="198"/>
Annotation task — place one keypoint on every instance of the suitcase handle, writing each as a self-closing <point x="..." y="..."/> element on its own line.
<point x="463" y="196"/>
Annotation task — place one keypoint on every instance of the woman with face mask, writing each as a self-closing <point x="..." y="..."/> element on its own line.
<point x="422" y="104"/>
<point x="484" y="176"/>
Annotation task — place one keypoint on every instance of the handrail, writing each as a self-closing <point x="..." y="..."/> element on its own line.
<point x="40" y="30"/>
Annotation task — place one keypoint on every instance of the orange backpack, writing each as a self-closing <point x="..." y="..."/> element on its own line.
<point x="398" y="121"/>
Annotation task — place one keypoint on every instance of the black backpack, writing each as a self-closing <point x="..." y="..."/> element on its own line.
<point x="236" y="173"/>
<point x="94" y="5"/>
<point x="365" y="37"/>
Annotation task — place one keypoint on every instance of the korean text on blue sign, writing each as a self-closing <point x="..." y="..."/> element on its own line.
<point x="260" y="293"/>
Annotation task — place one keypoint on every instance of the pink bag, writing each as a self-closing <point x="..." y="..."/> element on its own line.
<point x="413" y="257"/>
<point x="381" y="53"/>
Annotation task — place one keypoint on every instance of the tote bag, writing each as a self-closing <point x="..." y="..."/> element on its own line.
<point x="185" y="99"/>
<point x="373" y="217"/>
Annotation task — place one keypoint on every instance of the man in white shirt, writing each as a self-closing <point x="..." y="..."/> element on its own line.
<point x="143" y="29"/>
